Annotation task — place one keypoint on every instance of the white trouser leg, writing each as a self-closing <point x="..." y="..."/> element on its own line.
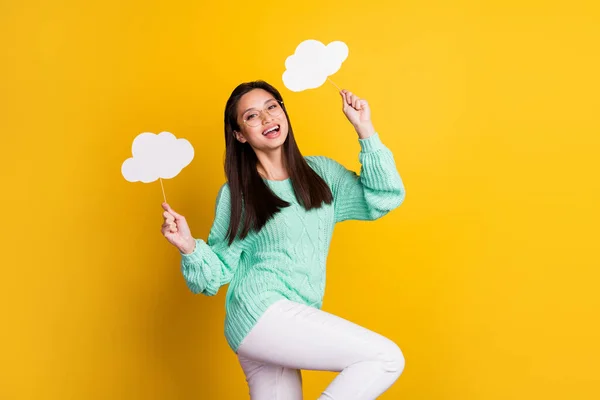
<point x="290" y="337"/>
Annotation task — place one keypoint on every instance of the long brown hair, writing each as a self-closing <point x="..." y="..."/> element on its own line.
<point x="251" y="198"/>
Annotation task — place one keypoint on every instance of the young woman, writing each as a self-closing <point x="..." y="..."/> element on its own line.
<point x="269" y="240"/>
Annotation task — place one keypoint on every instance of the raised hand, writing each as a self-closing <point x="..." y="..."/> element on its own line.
<point x="176" y="230"/>
<point x="358" y="112"/>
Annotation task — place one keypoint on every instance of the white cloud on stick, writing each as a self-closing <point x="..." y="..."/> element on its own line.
<point x="312" y="63"/>
<point x="156" y="156"/>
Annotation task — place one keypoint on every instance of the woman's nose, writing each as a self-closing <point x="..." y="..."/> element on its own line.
<point x="266" y="118"/>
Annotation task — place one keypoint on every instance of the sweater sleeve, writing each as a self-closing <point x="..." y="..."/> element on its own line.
<point x="378" y="190"/>
<point x="213" y="263"/>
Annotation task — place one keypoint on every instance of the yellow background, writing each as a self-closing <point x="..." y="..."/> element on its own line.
<point x="487" y="276"/>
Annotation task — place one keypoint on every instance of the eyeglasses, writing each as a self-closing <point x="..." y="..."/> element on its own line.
<point x="272" y="107"/>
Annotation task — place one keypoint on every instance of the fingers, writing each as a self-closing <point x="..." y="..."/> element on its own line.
<point x="347" y="98"/>
<point x="344" y="99"/>
<point x="171" y="214"/>
<point x="168" y="227"/>
<point x="168" y="208"/>
<point x="352" y="100"/>
<point x="170" y="217"/>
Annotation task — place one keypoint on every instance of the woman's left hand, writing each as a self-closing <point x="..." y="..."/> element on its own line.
<point x="358" y="113"/>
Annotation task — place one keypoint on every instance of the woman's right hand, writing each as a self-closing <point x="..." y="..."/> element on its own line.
<point x="177" y="231"/>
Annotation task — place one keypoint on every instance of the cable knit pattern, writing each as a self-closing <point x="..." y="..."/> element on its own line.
<point x="286" y="259"/>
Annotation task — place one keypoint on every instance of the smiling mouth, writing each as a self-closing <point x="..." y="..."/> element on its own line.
<point x="271" y="130"/>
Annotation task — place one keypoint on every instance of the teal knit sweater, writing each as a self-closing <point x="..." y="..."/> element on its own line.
<point x="286" y="258"/>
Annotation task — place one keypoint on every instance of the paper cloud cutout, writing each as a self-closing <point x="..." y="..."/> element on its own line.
<point x="156" y="156"/>
<point x="312" y="63"/>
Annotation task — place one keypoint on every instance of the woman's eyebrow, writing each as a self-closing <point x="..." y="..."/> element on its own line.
<point x="253" y="108"/>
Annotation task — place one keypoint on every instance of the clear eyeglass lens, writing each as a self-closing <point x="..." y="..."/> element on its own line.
<point x="253" y="118"/>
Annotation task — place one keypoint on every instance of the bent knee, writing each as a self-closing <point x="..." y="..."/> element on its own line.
<point x="392" y="358"/>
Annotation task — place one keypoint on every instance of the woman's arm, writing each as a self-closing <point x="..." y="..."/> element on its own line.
<point x="372" y="194"/>
<point x="212" y="263"/>
<point x="379" y="188"/>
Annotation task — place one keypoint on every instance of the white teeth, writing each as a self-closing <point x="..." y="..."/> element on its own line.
<point x="270" y="130"/>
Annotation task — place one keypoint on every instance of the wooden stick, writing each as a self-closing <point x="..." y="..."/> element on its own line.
<point x="163" y="190"/>
<point x="338" y="88"/>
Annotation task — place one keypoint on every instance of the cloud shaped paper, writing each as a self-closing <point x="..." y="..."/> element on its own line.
<point x="312" y="63"/>
<point x="156" y="156"/>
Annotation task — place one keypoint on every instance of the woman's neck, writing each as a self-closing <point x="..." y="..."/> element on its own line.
<point x="271" y="165"/>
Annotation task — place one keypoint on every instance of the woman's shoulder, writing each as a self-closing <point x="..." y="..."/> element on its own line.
<point x="323" y="165"/>
<point x="223" y="189"/>
<point x="223" y="197"/>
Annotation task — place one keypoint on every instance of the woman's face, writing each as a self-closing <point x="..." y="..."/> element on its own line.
<point x="261" y="120"/>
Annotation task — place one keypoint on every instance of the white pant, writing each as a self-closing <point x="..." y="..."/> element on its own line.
<point x="290" y="336"/>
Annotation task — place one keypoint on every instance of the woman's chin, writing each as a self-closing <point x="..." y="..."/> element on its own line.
<point x="275" y="141"/>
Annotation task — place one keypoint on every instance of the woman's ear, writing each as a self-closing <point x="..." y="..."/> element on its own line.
<point x="239" y="137"/>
